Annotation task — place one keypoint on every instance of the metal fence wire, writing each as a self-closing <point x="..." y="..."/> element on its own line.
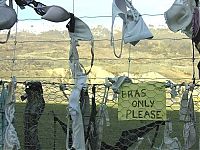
<point x="133" y="120"/>
<point x="47" y="128"/>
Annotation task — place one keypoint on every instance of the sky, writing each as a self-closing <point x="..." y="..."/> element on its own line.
<point x="92" y="8"/>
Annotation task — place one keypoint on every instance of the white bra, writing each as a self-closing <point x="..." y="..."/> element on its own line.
<point x="134" y="27"/>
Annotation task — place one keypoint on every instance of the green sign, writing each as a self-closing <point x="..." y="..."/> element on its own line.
<point x="142" y="101"/>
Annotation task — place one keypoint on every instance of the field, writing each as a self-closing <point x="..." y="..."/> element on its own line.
<point x="49" y="140"/>
<point x="44" y="57"/>
<point x="52" y="136"/>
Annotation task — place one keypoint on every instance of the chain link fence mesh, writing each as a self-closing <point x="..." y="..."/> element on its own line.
<point x="52" y="136"/>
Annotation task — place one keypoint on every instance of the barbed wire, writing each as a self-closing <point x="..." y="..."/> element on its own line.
<point x="129" y="59"/>
<point x="57" y="77"/>
<point x="92" y="17"/>
<point x="108" y="59"/>
<point x="100" y="16"/>
<point x="99" y="40"/>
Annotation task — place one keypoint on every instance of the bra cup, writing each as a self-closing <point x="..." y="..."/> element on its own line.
<point x="82" y="31"/>
<point x="136" y="31"/>
<point x="119" y="9"/>
<point x="55" y="14"/>
<point x="8" y="17"/>
<point x="178" y="17"/>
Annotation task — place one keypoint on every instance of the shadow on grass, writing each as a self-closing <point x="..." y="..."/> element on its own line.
<point x="53" y="137"/>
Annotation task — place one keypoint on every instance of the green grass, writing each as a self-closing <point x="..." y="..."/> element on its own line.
<point x="46" y="126"/>
<point x="110" y="134"/>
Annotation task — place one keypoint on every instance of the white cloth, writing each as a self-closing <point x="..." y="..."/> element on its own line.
<point x="189" y="130"/>
<point x="77" y="122"/>
<point x="74" y="106"/>
<point x="189" y="135"/>
<point x="74" y="63"/>
<point x="81" y="32"/>
<point x="103" y="115"/>
<point x="187" y="115"/>
<point x="134" y="27"/>
<point x="169" y="143"/>
<point x="183" y="112"/>
<point x="11" y="140"/>
<point x="179" y="16"/>
<point x="118" y="81"/>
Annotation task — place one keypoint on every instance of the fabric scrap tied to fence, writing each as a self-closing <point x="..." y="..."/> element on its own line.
<point x="142" y="101"/>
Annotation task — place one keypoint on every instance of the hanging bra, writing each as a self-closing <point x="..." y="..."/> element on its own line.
<point x="79" y="31"/>
<point x="8" y="17"/>
<point x="134" y="28"/>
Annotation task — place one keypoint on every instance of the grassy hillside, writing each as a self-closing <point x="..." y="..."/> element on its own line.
<point x="46" y="55"/>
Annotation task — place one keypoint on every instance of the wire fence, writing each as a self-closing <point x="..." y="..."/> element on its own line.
<point x="52" y="135"/>
<point x="37" y="57"/>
